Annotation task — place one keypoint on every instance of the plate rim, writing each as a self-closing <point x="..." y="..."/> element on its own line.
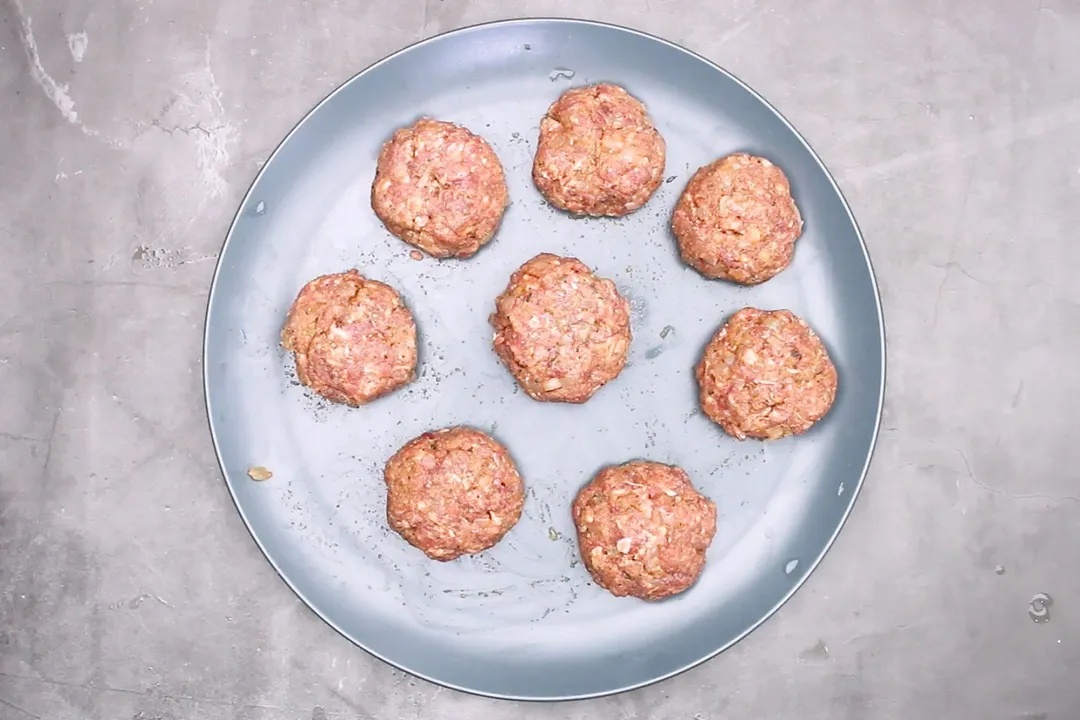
<point x="805" y="573"/>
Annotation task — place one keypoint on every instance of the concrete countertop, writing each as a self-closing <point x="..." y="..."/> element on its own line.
<point x="130" y="589"/>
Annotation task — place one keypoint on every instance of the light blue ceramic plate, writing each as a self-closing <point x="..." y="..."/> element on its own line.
<point x="523" y="620"/>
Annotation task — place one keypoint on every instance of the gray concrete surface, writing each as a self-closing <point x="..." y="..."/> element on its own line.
<point x="129" y="130"/>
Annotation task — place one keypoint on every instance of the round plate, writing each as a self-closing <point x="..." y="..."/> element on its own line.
<point x="523" y="620"/>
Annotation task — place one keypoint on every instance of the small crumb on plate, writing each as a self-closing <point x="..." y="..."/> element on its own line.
<point x="258" y="473"/>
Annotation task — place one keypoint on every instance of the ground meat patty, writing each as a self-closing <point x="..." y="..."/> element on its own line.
<point x="643" y="529"/>
<point x="439" y="187"/>
<point x="599" y="153"/>
<point x="353" y="338"/>
<point x="452" y="492"/>
<point x="562" y="331"/>
<point x="765" y="374"/>
<point x="737" y="221"/>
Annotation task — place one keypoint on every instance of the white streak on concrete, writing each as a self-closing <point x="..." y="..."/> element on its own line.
<point x="57" y="93"/>
<point x="215" y="133"/>
<point x="77" y="43"/>
<point x="53" y="90"/>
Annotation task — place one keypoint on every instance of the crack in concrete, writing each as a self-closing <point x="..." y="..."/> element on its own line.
<point x="14" y="437"/>
<point x="197" y="127"/>
<point x="1001" y="493"/>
